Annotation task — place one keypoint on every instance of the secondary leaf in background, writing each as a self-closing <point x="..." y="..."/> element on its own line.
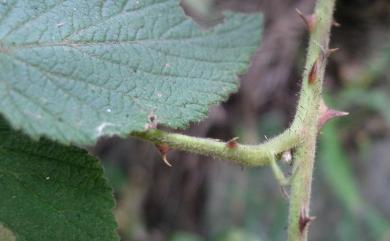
<point x="52" y="192"/>
<point x="335" y="165"/>
<point x="375" y="99"/>
<point x="79" y="69"/>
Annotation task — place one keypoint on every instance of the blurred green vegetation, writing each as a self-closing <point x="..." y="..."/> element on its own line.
<point x="365" y="97"/>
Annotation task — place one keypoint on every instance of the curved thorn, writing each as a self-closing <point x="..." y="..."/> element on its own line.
<point x="163" y="149"/>
<point x="164" y="157"/>
<point x="310" y="20"/>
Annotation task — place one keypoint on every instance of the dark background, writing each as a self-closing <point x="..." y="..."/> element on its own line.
<point x="204" y="199"/>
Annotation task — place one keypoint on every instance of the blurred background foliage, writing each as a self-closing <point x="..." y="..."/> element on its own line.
<point x="203" y="199"/>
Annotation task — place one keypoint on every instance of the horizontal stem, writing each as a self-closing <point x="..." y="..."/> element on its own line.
<point x="250" y="155"/>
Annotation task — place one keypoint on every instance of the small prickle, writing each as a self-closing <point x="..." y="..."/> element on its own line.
<point x="232" y="143"/>
<point x="310" y="20"/>
<point x="304" y="219"/>
<point x="313" y="72"/>
<point x="163" y="149"/>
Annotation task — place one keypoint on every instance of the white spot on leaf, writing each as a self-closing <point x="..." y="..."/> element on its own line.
<point x="101" y="127"/>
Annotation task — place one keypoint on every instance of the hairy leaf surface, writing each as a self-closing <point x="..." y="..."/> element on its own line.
<point x="51" y="192"/>
<point x="74" y="70"/>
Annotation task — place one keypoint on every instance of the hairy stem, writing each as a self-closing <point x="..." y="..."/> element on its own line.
<point x="301" y="136"/>
<point x="250" y="155"/>
<point x="307" y="117"/>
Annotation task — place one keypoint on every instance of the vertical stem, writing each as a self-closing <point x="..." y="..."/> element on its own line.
<point x="306" y="120"/>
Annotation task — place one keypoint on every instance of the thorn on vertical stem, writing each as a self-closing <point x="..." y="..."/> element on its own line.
<point x="310" y="20"/>
<point x="313" y="72"/>
<point x="330" y="114"/>
<point x="163" y="149"/>
<point x="304" y="219"/>
<point x="232" y="143"/>
<point x="331" y="51"/>
<point x="327" y="114"/>
<point x="336" y="24"/>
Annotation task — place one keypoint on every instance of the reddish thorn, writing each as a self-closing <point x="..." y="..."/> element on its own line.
<point x="163" y="149"/>
<point x="304" y="219"/>
<point x="327" y="114"/>
<point x="336" y="24"/>
<point x="331" y="51"/>
<point x="232" y="143"/>
<point x="310" y="20"/>
<point x="313" y="72"/>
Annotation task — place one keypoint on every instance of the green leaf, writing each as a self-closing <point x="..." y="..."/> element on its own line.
<point x="74" y="70"/>
<point x="52" y="192"/>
